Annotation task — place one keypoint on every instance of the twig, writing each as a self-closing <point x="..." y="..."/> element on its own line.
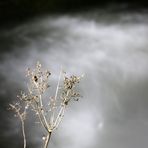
<point x="47" y="140"/>
<point x="56" y="94"/>
<point x="21" y="116"/>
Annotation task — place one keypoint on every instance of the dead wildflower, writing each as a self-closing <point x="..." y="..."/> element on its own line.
<point x="52" y="114"/>
<point x="22" y="115"/>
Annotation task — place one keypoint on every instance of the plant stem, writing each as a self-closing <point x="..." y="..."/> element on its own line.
<point x="21" y="116"/>
<point x="55" y="98"/>
<point x="47" y="140"/>
<point x="23" y="131"/>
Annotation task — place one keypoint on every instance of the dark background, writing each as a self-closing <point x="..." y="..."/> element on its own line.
<point x="104" y="39"/>
<point x="20" y="10"/>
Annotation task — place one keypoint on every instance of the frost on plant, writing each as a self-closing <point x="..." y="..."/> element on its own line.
<point x="50" y="110"/>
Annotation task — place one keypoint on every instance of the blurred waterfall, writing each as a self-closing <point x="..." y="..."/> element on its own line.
<point x="110" y="50"/>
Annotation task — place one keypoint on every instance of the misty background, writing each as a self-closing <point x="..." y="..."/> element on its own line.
<point x="105" y="41"/>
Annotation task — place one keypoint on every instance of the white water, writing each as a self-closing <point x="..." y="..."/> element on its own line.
<point x="112" y="51"/>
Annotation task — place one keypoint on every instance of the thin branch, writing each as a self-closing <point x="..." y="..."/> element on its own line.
<point x="56" y="94"/>
<point x="47" y="140"/>
<point x="23" y="131"/>
<point x="21" y="116"/>
<point x="40" y="117"/>
<point x="41" y="110"/>
<point x="43" y="115"/>
<point x="57" y="89"/>
<point x="60" y="116"/>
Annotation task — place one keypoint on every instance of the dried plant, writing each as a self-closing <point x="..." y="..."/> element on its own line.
<point x="50" y="111"/>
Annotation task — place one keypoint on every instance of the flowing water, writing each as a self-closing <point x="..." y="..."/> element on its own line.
<point x="111" y="50"/>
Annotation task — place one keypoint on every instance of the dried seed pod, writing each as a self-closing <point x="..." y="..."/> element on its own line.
<point x="35" y="79"/>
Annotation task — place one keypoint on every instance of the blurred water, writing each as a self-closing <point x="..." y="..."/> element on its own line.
<point x="111" y="50"/>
